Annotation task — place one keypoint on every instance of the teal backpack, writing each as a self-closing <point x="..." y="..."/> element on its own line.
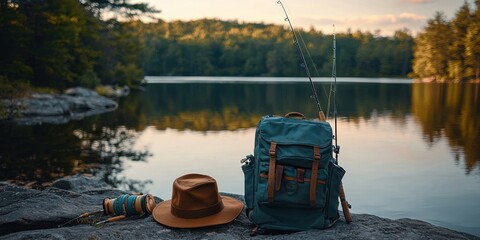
<point x="292" y="182"/>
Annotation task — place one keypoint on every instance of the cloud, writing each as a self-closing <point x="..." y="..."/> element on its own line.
<point x="386" y="19"/>
<point x="386" y="23"/>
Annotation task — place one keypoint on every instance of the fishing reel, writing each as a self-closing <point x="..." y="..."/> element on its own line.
<point x="124" y="206"/>
<point x="129" y="205"/>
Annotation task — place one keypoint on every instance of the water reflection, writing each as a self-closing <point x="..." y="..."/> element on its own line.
<point x="453" y="111"/>
<point x="442" y="110"/>
<point x="114" y="148"/>
<point x="42" y="153"/>
<point x="215" y="106"/>
<point x="36" y="155"/>
<point x="397" y="142"/>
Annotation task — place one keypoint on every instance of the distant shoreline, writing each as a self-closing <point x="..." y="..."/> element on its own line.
<point x="239" y="79"/>
<point x="243" y="79"/>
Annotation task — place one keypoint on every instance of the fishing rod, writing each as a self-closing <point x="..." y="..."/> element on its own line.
<point x="334" y="76"/>
<point x="122" y="207"/>
<point x="345" y="205"/>
<point x="81" y="216"/>
<point x="304" y="65"/>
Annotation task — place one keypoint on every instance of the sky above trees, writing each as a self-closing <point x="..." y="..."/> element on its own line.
<point x="366" y="15"/>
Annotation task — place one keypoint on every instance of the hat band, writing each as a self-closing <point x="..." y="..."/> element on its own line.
<point x="199" y="213"/>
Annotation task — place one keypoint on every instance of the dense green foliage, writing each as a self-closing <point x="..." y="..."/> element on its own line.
<point x="65" y="43"/>
<point x="449" y="50"/>
<point x="229" y="48"/>
<point x="9" y="91"/>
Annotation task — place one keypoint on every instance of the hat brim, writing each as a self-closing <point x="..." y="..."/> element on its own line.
<point x="232" y="208"/>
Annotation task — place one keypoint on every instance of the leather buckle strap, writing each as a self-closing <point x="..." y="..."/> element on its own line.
<point x="272" y="152"/>
<point x="300" y="175"/>
<point x="294" y="178"/>
<point x="271" y="171"/>
<point x="313" y="177"/>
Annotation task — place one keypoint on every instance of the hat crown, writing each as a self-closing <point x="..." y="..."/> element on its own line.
<point x="195" y="196"/>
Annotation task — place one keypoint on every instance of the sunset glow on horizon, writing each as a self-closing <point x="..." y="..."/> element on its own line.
<point x="370" y="15"/>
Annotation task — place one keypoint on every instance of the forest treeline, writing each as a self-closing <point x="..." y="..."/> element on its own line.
<point x="64" y="43"/>
<point x="449" y="50"/>
<point x="228" y="48"/>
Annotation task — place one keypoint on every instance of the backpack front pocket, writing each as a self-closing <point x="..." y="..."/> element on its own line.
<point x="292" y="187"/>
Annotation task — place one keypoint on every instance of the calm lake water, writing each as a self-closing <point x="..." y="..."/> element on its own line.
<point x="410" y="150"/>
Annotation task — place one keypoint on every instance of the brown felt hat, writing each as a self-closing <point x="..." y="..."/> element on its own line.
<point x="196" y="203"/>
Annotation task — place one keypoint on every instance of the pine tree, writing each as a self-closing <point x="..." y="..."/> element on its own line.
<point x="472" y="44"/>
<point x="457" y="69"/>
<point x="15" y="37"/>
<point x="431" y="49"/>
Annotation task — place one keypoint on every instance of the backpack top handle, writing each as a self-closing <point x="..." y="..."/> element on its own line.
<point x="295" y="115"/>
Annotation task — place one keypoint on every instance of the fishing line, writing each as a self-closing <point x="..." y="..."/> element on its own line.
<point x="307" y="71"/>
<point x="334" y="75"/>
<point x="313" y="63"/>
<point x="305" y="65"/>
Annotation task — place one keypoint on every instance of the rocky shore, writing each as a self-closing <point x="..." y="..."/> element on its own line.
<point x="33" y="214"/>
<point x="74" y="104"/>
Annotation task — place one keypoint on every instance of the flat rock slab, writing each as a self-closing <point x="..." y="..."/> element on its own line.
<point x="32" y="214"/>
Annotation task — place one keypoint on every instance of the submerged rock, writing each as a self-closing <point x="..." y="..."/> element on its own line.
<point x="33" y="214"/>
<point x="75" y="104"/>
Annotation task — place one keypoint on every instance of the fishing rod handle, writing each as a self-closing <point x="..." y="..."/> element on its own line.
<point x="116" y="218"/>
<point x="321" y="116"/>
<point x="345" y="205"/>
<point x="112" y="219"/>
